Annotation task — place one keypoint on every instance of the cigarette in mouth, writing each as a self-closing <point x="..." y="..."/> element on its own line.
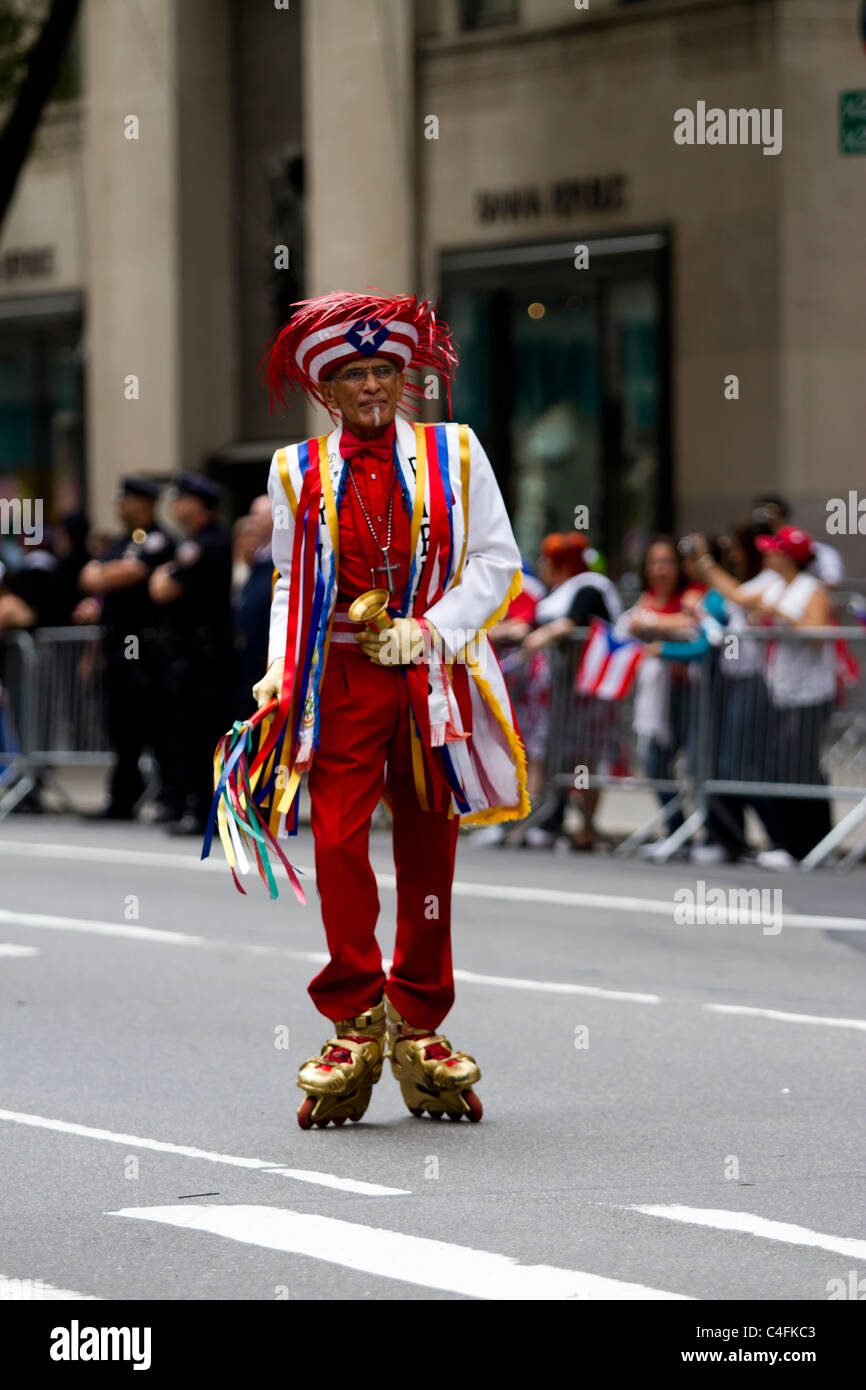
<point x="376" y="414"/>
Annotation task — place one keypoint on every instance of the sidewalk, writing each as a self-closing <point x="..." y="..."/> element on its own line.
<point x="620" y="812"/>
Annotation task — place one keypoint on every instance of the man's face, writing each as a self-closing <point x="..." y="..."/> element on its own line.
<point x="135" y="511"/>
<point x="189" y="511"/>
<point x="368" y="404"/>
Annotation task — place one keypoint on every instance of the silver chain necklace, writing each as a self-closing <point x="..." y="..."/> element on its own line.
<point x="387" y="568"/>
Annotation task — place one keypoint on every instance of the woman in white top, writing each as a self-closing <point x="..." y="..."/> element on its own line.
<point x="800" y="678"/>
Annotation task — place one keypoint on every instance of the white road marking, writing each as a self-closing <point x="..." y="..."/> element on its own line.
<point x="32" y="919"/>
<point x="7" y="948"/>
<point x="169" y="938"/>
<point x="97" y="854"/>
<point x="87" y="924"/>
<point x="758" y="1226"/>
<point x="138" y="933"/>
<point x="432" y="1264"/>
<point x="605" y="902"/>
<point x="783" y="1017"/>
<point x="134" y="1141"/>
<point x="553" y="987"/>
<point x="27" y="1289"/>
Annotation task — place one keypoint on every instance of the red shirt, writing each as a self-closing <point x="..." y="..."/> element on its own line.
<point x="359" y="553"/>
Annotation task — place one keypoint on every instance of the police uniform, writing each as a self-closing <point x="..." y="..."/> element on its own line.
<point x="200" y="675"/>
<point x="134" y="660"/>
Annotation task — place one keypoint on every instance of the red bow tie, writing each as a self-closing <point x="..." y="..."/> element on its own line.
<point x="382" y="447"/>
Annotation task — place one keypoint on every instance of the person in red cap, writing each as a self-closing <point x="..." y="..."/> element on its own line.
<point x="801" y="679"/>
<point x="417" y="714"/>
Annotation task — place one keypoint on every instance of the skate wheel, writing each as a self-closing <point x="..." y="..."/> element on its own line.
<point x="416" y="1111"/>
<point x="305" y="1110"/>
<point x="356" y="1118"/>
<point x="454" y="1115"/>
<point x="435" y="1114"/>
<point x="476" y="1110"/>
<point x="340" y="1120"/>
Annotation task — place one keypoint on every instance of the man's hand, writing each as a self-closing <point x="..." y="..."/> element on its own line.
<point x="163" y="586"/>
<point x="270" y="684"/>
<point x="90" y="577"/>
<point x="88" y="611"/>
<point x="397" y="645"/>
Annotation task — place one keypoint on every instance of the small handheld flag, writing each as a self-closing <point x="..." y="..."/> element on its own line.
<point x="608" y="664"/>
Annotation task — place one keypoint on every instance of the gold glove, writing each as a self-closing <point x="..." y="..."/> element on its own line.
<point x="397" y="645"/>
<point x="270" y="684"/>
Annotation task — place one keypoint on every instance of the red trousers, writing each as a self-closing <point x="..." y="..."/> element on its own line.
<point x="364" y="725"/>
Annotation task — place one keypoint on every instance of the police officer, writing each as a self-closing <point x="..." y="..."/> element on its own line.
<point x="117" y="585"/>
<point x="195" y="590"/>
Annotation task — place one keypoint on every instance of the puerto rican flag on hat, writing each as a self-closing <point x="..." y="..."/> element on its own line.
<point x="324" y="333"/>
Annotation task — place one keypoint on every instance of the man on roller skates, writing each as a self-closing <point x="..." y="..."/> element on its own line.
<point x="416" y="712"/>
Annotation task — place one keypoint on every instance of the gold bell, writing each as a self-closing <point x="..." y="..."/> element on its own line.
<point x="371" y="608"/>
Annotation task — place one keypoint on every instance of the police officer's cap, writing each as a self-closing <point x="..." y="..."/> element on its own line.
<point x="132" y="486"/>
<point x="197" y="485"/>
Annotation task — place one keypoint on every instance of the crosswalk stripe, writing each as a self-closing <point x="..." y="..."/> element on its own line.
<point x="751" y="1225"/>
<point x="433" y="1264"/>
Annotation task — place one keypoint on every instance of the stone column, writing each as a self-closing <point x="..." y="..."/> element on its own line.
<point x="160" y="298"/>
<point x="359" y="138"/>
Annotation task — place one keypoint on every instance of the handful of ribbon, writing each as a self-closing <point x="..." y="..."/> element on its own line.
<point x="236" y="810"/>
<point x="248" y="799"/>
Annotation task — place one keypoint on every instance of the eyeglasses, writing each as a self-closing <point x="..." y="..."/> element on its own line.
<point x="355" y="375"/>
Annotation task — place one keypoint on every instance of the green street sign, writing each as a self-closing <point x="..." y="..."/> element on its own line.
<point x="852" y="122"/>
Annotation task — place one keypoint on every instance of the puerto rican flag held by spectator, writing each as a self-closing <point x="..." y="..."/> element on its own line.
<point x="608" y="664"/>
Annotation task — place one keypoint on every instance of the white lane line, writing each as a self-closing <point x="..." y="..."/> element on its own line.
<point x="44" y="920"/>
<point x="605" y="902"/>
<point x="86" y="924"/>
<point x="135" y="1141"/>
<point x="758" y="1226"/>
<point x="95" y="854"/>
<point x="31" y="919"/>
<point x="551" y="987"/>
<point x="783" y="1017"/>
<point x="27" y="1289"/>
<point x="433" y="1264"/>
<point x="7" y="948"/>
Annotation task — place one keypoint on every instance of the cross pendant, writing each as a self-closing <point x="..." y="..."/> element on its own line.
<point x="387" y="568"/>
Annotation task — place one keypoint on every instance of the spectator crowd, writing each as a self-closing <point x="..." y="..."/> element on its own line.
<point x="183" y="610"/>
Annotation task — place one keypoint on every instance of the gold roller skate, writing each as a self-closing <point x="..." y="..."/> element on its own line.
<point x="432" y="1076"/>
<point x="340" y="1081"/>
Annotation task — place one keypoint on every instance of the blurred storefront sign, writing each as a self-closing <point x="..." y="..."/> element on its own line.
<point x="606" y="193"/>
<point x="26" y="262"/>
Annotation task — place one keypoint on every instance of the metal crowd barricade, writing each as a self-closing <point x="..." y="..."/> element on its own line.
<point x="55" y="697"/>
<point x="17" y="682"/>
<point x="729" y="740"/>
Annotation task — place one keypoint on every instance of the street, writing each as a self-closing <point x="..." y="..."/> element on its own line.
<point x="671" y="1110"/>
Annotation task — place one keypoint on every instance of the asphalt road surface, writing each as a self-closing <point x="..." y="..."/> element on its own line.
<point x="671" y="1109"/>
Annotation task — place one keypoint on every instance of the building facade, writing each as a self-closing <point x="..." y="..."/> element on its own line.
<point x="654" y="325"/>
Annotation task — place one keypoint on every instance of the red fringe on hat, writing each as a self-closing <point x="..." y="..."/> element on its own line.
<point x="435" y="348"/>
